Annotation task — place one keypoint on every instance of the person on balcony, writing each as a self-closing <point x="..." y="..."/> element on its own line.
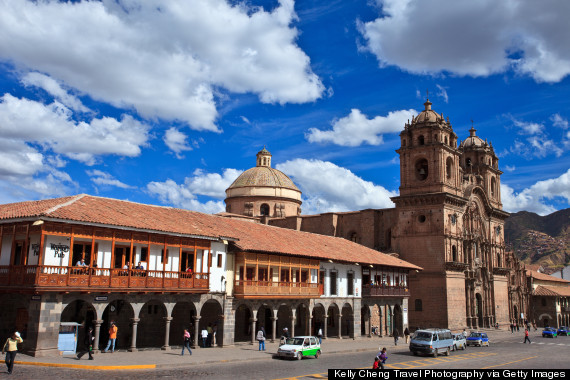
<point x="112" y="337"/>
<point x="81" y="263"/>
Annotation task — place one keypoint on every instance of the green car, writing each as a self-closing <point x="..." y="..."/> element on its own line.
<point x="300" y="346"/>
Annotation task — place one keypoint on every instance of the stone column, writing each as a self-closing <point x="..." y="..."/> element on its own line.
<point x="274" y="329"/>
<point x="339" y="325"/>
<point x="370" y="324"/>
<point x="196" y="330"/>
<point x="253" y="332"/>
<point x="293" y="319"/>
<point x="325" y="327"/>
<point x="98" y="323"/>
<point x="135" y="322"/>
<point x="166" y="347"/>
<point x="310" y="325"/>
<point x="351" y="323"/>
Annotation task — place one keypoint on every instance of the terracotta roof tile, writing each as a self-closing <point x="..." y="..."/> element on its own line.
<point x="544" y="277"/>
<point x="552" y="291"/>
<point x="250" y="236"/>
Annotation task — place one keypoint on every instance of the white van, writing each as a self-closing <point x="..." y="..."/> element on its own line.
<point x="432" y="342"/>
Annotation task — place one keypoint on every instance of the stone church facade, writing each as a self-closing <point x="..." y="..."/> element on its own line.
<point x="448" y="219"/>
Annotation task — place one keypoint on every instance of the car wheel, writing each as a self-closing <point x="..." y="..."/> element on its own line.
<point x="317" y="354"/>
<point x="299" y="355"/>
<point x="435" y="353"/>
<point x="447" y="352"/>
<point x="453" y="348"/>
<point x="415" y="353"/>
<point x="464" y="347"/>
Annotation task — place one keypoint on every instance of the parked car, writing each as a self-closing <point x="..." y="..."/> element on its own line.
<point x="478" y="339"/>
<point x="563" y="330"/>
<point x="459" y="342"/>
<point x="299" y="346"/>
<point x="431" y="342"/>
<point x="549" y="332"/>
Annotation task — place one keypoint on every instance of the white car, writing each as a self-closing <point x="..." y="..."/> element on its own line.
<point x="300" y="346"/>
<point x="459" y="342"/>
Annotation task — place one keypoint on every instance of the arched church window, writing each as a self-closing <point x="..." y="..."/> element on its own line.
<point x="445" y="140"/>
<point x="264" y="210"/>
<point x="421" y="140"/>
<point x="499" y="262"/>
<point x="468" y="162"/>
<point x="449" y="167"/>
<point x="454" y="253"/>
<point x="422" y="169"/>
<point x="422" y="218"/>
<point x="493" y="186"/>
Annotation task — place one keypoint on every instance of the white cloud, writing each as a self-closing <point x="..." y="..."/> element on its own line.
<point x="335" y="188"/>
<point x="162" y="58"/>
<point x="176" y="141"/>
<point x="538" y="143"/>
<point x="533" y="198"/>
<point x="442" y="93"/>
<point x="509" y="168"/>
<point x="559" y="121"/>
<point x="356" y="129"/>
<point x="186" y="195"/>
<point x="101" y="178"/>
<point x="476" y="38"/>
<point x="53" y="88"/>
<point x="53" y="127"/>
<point x="528" y="128"/>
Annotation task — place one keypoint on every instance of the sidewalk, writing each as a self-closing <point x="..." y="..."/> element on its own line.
<point x="156" y="358"/>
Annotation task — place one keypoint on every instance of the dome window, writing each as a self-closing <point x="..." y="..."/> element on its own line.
<point x="422" y="218"/>
<point x="421" y="140"/>
<point x="264" y="210"/>
<point x="449" y="167"/>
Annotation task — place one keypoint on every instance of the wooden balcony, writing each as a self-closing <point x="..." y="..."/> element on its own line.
<point x="385" y="291"/>
<point x="55" y="278"/>
<point x="267" y="289"/>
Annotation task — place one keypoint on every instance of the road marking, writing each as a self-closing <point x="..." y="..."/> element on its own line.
<point x="516" y="361"/>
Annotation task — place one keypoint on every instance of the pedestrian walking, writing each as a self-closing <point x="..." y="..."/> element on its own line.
<point x="88" y="349"/>
<point x="407" y="334"/>
<point x="204" y="338"/>
<point x="210" y="334"/>
<point x="512" y="327"/>
<point x="112" y="337"/>
<point x="186" y="342"/>
<point x="11" y="349"/>
<point x="517" y="326"/>
<point x="285" y="332"/>
<point x="526" y="336"/>
<point x="261" y="338"/>
<point x="396" y="334"/>
<point x="320" y="335"/>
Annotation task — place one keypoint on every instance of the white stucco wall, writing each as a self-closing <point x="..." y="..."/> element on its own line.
<point x="218" y="274"/>
<point x="33" y="259"/>
<point x="342" y="283"/>
<point x="49" y="254"/>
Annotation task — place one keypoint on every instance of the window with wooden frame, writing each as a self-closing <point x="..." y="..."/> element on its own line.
<point x="220" y="259"/>
<point x="81" y="251"/>
<point x="162" y="256"/>
<point x="350" y="283"/>
<point x="332" y="284"/>
<point x="144" y="254"/>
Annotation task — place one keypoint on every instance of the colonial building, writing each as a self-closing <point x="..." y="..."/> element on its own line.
<point x="448" y="219"/>
<point x="157" y="270"/>
<point x="550" y="304"/>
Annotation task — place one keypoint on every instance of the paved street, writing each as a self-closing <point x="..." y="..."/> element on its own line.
<point x="245" y="362"/>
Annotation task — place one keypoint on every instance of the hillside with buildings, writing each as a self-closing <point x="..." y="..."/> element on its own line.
<point x="539" y="239"/>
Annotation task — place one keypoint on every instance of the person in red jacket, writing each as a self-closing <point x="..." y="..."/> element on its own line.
<point x="526" y="336"/>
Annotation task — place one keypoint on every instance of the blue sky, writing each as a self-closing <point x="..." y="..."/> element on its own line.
<point x="167" y="102"/>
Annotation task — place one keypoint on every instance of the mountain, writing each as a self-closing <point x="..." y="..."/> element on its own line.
<point x="539" y="239"/>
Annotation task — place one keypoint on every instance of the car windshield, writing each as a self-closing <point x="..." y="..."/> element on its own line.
<point x="549" y="329"/>
<point x="475" y="335"/>
<point x="423" y="336"/>
<point x="294" y="341"/>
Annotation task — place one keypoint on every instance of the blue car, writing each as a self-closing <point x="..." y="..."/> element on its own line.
<point x="563" y="330"/>
<point x="549" y="332"/>
<point x="478" y="339"/>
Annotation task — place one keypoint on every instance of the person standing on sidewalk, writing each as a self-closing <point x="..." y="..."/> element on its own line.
<point x="526" y="337"/>
<point x="261" y="338"/>
<point x="407" y="334"/>
<point x="89" y="339"/>
<point x="186" y="342"/>
<point x="112" y="337"/>
<point x="320" y="335"/>
<point x="396" y="334"/>
<point x="204" y="337"/>
<point x="11" y="349"/>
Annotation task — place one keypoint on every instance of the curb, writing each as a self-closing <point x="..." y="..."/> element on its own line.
<point x="97" y="367"/>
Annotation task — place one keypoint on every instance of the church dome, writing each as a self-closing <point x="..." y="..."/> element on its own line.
<point x="427" y="115"/>
<point x="473" y="141"/>
<point x="263" y="176"/>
